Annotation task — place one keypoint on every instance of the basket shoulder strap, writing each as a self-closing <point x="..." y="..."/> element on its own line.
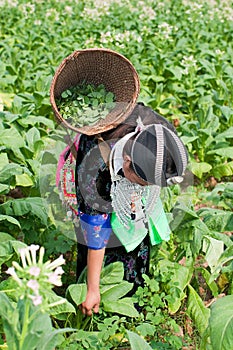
<point x="73" y="144"/>
<point x="105" y="149"/>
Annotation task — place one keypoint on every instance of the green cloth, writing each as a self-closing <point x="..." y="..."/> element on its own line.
<point x="131" y="237"/>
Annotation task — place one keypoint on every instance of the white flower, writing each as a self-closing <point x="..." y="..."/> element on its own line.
<point x="55" y="279"/>
<point x="41" y="255"/>
<point x="33" y="249"/>
<point x="34" y="285"/>
<point x="52" y="265"/>
<point x="185" y="71"/>
<point x="36" y="299"/>
<point x="59" y="270"/>
<point x="37" y="22"/>
<point x="9" y="3"/>
<point x="11" y="271"/>
<point x="219" y="52"/>
<point x="52" y="13"/>
<point x="165" y="29"/>
<point x="17" y="266"/>
<point x="25" y="256"/>
<point x="68" y="9"/>
<point x="22" y="253"/>
<point x="188" y="62"/>
<point x="34" y="275"/>
<point x="34" y="271"/>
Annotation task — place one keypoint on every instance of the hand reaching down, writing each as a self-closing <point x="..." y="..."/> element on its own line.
<point x="91" y="303"/>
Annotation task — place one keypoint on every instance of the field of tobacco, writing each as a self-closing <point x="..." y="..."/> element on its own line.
<point x="183" y="53"/>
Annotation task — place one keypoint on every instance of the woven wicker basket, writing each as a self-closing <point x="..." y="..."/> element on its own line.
<point x="98" y="66"/>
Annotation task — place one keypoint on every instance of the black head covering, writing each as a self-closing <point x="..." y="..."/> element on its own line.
<point x="158" y="154"/>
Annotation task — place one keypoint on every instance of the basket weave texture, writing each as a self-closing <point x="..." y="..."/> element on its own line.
<point x="98" y="66"/>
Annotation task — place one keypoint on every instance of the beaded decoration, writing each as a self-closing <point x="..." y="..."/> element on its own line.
<point x="65" y="179"/>
<point x="132" y="201"/>
<point x="67" y="187"/>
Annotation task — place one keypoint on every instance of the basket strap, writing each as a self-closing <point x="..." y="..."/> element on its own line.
<point x="104" y="149"/>
<point x="71" y="144"/>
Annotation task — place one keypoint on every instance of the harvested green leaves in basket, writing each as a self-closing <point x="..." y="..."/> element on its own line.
<point x="85" y="104"/>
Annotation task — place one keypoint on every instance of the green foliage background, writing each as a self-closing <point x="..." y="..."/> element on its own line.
<point x="183" y="53"/>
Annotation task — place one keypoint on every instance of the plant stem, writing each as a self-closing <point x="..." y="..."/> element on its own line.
<point x="79" y="318"/>
<point x="25" y="324"/>
<point x="85" y="323"/>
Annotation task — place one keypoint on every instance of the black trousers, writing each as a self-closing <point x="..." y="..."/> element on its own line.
<point x="136" y="262"/>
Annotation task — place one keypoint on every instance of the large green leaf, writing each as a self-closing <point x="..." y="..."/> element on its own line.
<point x="221" y="324"/>
<point x="224" y="169"/>
<point x="4" y="237"/>
<point x="33" y="205"/>
<point x="221" y="237"/>
<point x="40" y="333"/>
<point x="137" y="342"/>
<point x="9" y="287"/>
<point x="10" y="320"/>
<point x="11" y="138"/>
<point x="188" y="139"/>
<point x="226" y="134"/>
<point x="213" y="249"/>
<point x="146" y="329"/>
<point x="23" y="180"/>
<point x="3" y="160"/>
<point x="4" y="189"/>
<point x="35" y="165"/>
<point x="111" y="293"/>
<point x="222" y="195"/>
<point x="8" y="249"/>
<point x="187" y="213"/>
<point x="217" y="219"/>
<point x="39" y="325"/>
<point x="112" y="273"/>
<point x="227" y="111"/>
<point x="77" y="293"/>
<point x="200" y="168"/>
<point x="180" y="277"/>
<point x="61" y="310"/>
<point x="50" y="340"/>
<point x="34" y="141"/>
<point x="123" y="306"/>
<point x="226" y="152"/>
<point x="36" y="120"/>
<point x="9" y="219"/>
<point x="212" y="285"/>
<point x="32" y="136"/>
<point x="225" y="258"/>
<point x="199" y="230"/>
<point x="10" y="170"/>
<point x="197" y="310"/>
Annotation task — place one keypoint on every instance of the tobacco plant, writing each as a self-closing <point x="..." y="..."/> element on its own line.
<point x="183" y="53"/>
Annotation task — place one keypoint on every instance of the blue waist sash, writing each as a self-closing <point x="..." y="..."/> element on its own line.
<point x="97" y="229"/>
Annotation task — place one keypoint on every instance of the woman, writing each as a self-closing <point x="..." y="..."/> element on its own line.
<point x="118" y="177"/>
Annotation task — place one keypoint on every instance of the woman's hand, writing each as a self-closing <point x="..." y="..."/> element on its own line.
<point x="94" y="265"/>
<point x="91" y="303"/>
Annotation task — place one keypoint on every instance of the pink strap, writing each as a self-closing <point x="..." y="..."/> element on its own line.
<point x="61" y="160"/>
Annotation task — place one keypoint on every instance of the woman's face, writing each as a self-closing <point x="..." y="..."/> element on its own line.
<point x="129" y="173"/>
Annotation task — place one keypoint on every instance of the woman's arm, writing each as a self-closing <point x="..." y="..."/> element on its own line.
<point x="94" y="266"/>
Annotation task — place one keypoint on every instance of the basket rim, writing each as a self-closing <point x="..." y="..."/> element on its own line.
<point x="122" y="116"/>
